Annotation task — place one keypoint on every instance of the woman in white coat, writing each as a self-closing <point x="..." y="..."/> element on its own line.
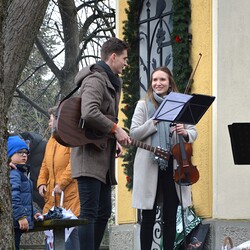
<point x="153" y="177"/>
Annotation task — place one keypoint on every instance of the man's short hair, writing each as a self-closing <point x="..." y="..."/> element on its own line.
<point x="113" y="45"/>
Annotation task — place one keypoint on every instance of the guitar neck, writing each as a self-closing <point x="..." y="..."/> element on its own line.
<point x="160" y="152"/>
<point x="140" y="144"/>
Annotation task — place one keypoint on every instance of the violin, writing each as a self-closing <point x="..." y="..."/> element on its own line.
<point x="186" y="173"/>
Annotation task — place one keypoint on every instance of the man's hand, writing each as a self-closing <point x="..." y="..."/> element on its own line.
<point x="118" y="150"/>
<point x="42" y="190"/>
<point x="121" y="136"/>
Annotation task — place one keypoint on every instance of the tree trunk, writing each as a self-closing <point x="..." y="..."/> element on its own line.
<point x="6" y="237"/>
<point x="71" y="41"/>
<point x="19" y="25"/>
<point x="24" y="19"/>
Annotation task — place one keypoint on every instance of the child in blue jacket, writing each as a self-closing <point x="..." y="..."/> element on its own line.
<point x="23" y="210"/>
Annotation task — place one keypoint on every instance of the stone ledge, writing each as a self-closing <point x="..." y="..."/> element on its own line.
<point x="126" y="237"/>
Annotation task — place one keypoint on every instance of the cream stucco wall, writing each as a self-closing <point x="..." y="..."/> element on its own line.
<point x="231" y="84"/>
<point x="220" y="32"/>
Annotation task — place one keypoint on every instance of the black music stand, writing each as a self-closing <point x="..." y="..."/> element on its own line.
<point x="182" y="108"/>
<point x="239" y="136"/>
<point x="186" y="109"/>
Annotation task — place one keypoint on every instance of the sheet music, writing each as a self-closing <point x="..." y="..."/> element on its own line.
<point x="171" y="106"/>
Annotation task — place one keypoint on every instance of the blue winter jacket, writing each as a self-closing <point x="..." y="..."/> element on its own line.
<point x="22" y="201"/>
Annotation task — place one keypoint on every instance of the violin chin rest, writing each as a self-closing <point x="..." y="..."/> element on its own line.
<point x="184" y="182"/>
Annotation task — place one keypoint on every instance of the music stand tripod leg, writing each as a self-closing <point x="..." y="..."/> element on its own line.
<point x="182" y="210"/>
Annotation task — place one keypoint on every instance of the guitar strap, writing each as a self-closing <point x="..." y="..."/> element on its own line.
<point x="70" y="94"/>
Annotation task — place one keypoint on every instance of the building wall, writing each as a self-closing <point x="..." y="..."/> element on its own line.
<point x="220" y="32"/>
<point x="124" y="212"/>
<point x="201" y="30"/>
<point x="231" y="84"/>
<point x="201" y="43"/>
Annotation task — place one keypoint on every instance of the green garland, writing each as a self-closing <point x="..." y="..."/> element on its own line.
<point x="131" y="86"/>
<point x="181" y="66"/>
<point x="181" y="43"/>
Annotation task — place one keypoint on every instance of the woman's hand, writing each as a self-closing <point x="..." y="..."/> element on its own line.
<point x="180" y="130"/>
<point x="57" y="189"/>
<point x="42" y="190"/>
<point x="155" y="122"/>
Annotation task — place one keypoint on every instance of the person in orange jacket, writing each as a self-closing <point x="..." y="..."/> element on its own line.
<point x="55" y="177"/>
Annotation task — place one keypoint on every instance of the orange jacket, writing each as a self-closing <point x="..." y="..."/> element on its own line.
<point x="56" y="169"/>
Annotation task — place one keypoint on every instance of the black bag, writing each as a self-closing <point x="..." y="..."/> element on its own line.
<point x="197" y="238"/>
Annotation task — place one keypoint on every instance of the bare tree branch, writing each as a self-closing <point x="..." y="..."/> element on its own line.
<point x="33" y="104"/>
<point x="47" y="59"/>
<point x="81" y="44"/>
<point x="59" y="31"/>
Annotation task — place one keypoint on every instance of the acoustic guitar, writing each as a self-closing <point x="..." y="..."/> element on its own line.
<point x="69" y="130"/>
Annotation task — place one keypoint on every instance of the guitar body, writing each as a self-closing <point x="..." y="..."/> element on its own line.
<point x="68" y="127"/>
<point x="69" y="130"/>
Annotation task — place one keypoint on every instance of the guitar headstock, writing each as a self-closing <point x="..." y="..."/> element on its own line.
<point x="162" y="153"/>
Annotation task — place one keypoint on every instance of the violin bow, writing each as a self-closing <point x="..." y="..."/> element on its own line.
<point x="192" y="75"/>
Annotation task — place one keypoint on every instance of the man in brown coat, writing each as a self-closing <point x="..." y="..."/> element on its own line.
<point x="94" y="168"/>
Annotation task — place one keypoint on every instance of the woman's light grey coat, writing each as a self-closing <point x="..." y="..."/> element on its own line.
<point x="145" y="169"/>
